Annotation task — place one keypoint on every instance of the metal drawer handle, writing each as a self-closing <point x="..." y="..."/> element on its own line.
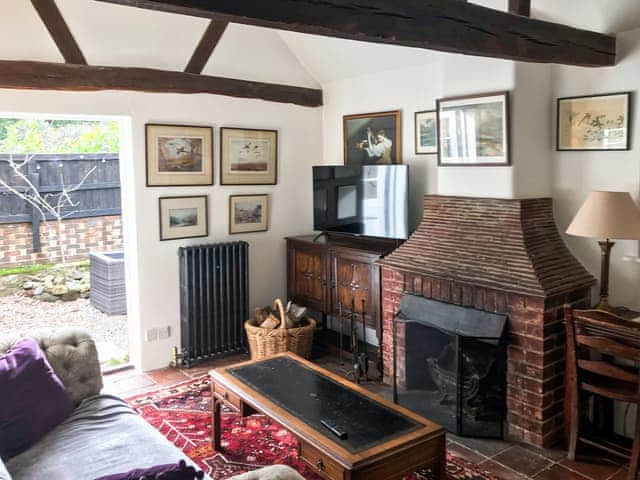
<point x="320" y="464"/>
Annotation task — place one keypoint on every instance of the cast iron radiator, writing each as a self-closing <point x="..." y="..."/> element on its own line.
<point x="214" y="300"/>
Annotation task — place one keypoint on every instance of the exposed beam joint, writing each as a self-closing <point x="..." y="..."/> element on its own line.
<point x="59" y="30"/>
<point x="24" y="75"/>
<point x="444" y="25"/>
<point x="520" y="7"/>
<point x="206" y="46"/>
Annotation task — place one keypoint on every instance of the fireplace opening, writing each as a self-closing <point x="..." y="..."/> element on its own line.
<point x="450" y="364"/>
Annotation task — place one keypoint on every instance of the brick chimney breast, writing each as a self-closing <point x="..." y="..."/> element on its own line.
<point x="504" y="256"/>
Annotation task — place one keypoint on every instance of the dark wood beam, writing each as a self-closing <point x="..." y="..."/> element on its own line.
<point x="445" y="25"/>
<point x="206" y="46"/>
<point x="59" y="30"/>
<point x="24" y="75"/>
<point x="520" y="7"/>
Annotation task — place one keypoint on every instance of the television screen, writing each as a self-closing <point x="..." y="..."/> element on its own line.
<point x="369" y="200"/>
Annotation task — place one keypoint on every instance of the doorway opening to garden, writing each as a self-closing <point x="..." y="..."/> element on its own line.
<point x="61" y="230"/>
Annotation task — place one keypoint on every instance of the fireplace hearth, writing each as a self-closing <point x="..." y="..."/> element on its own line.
<point x="453" y="365"/>
<point x="503" y="257"/>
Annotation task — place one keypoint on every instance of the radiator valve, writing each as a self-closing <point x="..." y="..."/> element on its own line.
<point x="176" y="357"/>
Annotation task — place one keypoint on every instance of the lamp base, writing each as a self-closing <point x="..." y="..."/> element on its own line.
<point x="604" y="305"/>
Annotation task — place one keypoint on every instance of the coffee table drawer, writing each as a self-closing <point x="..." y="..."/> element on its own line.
<point x="321" y="463"/>
<point x="228" y="397"/>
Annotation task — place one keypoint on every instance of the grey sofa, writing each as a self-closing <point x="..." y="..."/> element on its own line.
<point x="103" y="435"/>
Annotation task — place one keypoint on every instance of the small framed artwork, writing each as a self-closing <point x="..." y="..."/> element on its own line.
<point x="248" y="156"/>
<point x="373" y="138"/>
<point x="474" y="130"/>
<point x="595" y="122"/>
<point x="248" y="213"/>
<point x="426" y="128"/>
<point x="183" y="217"/>
<point x="179" y="156"/>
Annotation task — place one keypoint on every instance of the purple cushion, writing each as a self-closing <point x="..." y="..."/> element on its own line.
<point x="33" y="398"/>
<point x="171" y="471"/>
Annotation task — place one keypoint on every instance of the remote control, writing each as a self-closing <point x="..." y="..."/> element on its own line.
<point x="341" y="434"/>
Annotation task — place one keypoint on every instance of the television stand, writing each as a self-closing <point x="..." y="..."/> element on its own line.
<point x="329" y="271"/>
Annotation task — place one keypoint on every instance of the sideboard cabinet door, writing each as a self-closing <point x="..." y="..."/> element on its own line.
<point x="307" y="269"/>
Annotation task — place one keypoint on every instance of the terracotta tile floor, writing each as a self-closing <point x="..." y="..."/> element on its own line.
<point x="506" y="460"/>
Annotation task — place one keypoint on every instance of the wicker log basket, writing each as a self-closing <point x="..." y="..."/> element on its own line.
<point x="266" y="342"/>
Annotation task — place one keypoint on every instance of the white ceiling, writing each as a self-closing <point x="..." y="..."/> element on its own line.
<point x="124" y="36"/>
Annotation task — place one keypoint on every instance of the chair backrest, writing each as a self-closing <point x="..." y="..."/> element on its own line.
<point x="594" y="356"/>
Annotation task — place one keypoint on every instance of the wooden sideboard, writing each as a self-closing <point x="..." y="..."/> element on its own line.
<point x="329" y="271"/>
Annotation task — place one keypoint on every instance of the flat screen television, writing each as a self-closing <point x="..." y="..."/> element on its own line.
<point x="369" y="200"/>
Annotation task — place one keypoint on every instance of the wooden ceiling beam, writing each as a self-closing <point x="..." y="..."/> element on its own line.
<point x="24" y="75"/>
<point x="59" y="30"/>
<point x="444" y="25"/>
<point x="520" y="7"/>
<point x="206" y="46"/>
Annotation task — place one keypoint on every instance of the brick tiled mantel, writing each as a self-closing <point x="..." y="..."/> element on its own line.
<point x="506" y="257"/>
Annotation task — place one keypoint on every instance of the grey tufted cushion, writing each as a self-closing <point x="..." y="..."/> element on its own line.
<point x="4" y="474"/>
<point x="275" y="472"/>
<point x="72" y="354"/>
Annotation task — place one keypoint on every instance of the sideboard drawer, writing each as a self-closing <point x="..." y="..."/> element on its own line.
<point x="228" y="397"/>
<point x="321" y="463"/>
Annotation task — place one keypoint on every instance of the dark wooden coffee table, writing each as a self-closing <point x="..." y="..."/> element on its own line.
<point x="383" y="441"/>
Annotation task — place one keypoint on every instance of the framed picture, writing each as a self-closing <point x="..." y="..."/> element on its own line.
<point x="248" y="213"/>
<point x="474" y="130"/>
<point x="373" y="138"/>
<point x="183" y="217"/>
<point x="596" y="122"/>
<point x="179" y="155"/>
<point x="248" y="156"/>
<point x="426" y="130"/>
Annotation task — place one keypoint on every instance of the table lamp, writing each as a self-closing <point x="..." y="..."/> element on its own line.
<point x="606" y="216"/>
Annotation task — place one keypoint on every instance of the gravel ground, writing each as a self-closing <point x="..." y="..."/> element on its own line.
<point x="19" y="313"/>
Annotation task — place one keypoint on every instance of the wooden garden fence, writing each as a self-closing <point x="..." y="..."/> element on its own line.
<point x="98" y="196"/>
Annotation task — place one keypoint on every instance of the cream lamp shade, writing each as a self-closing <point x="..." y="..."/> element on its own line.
<point x="607" y="215"/>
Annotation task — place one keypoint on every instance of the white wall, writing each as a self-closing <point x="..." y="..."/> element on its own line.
<point x="444" y="75"/>
<point x="575" y="174"/>
<point x="152" y="275"/>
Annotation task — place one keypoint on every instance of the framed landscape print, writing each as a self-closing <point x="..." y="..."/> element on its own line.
<point x="597" y="122"/>
<point x="474" y="130"/>
<point x="183" y="217"/>
<point x="248" y="156"/>
<point x="179" y="155"/>
<point x="426" y="131"/>
<point x="373" y="138"/>
<point x="248" y="213"/>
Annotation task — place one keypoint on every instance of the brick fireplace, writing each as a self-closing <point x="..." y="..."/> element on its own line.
<point x="500" y="256"/>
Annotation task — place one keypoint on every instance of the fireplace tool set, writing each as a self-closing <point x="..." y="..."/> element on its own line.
<point x="360" y="360"/>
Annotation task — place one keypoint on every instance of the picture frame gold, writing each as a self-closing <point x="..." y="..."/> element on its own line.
<point x="178" y="155"/>
<point x="248" y="213"/>
<point x="248" y="156"/>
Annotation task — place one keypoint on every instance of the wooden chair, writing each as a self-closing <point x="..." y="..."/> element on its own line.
<point x="591" y="370"/>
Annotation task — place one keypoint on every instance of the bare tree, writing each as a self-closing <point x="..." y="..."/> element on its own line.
<point x="52" y="205"/>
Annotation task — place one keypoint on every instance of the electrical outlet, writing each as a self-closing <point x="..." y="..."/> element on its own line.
<point x="151" y="334"/>
<point x="164" y="333"/>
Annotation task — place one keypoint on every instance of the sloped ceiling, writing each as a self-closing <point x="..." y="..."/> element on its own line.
<point x="122" y="36"/>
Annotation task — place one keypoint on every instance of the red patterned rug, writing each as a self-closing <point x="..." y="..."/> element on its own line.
<point x="182" y="414"/>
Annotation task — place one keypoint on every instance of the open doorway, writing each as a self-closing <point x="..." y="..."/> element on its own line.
<point x="61" y="230"/>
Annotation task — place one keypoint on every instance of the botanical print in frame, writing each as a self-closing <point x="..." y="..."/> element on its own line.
<point x="248" y="156"/>
<point x="248" y="213"/>
<point x="373" y="138"/>
<point x="426" y="131"/>
<point x="183" y="217"/>
<point x="179" y="155"/>
<point x="474" y="130"/>
<point x="597" y="122"/>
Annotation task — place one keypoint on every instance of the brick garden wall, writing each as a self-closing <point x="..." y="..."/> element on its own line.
<point x="79" y="235"/>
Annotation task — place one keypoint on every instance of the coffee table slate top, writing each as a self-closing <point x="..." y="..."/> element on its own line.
<point x="312" y="398"/>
